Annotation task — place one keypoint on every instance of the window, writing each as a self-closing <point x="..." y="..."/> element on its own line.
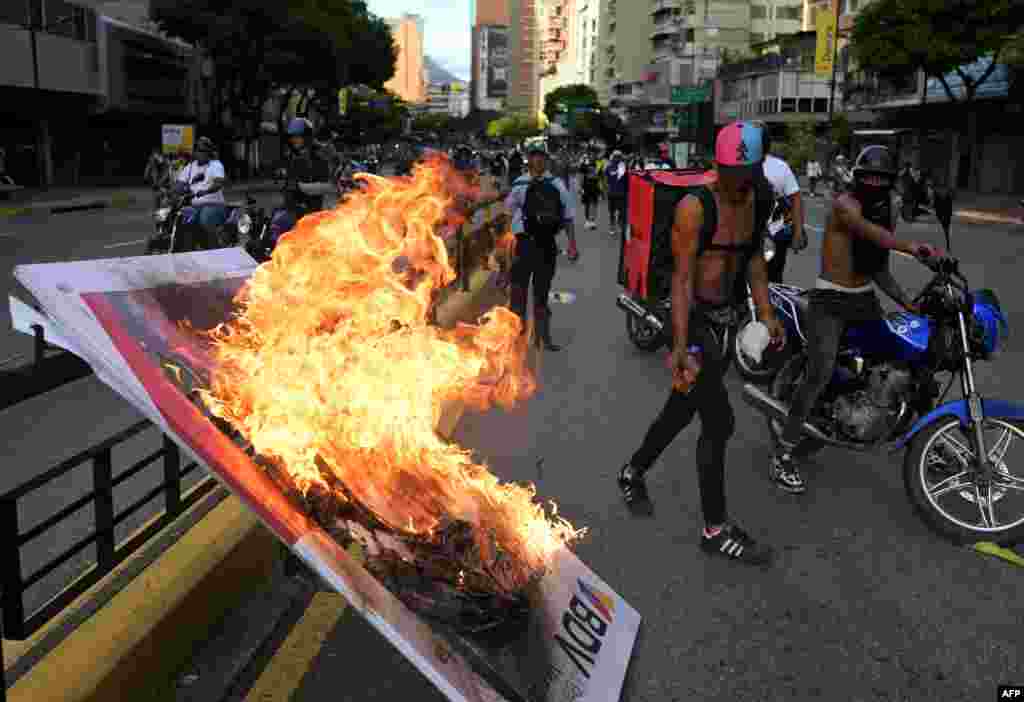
<point x="789" y="104"/>
<point x="788" y="13"/>
<point x="756" y="37"/>
<point x="758" y="12"/>
<point x="804" y="104"/>
<point x="821" y="104"/>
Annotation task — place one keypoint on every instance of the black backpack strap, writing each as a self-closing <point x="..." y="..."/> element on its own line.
<point x="710" y="225"/>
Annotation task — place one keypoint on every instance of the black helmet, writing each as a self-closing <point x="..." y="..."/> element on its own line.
<point x="876" y="160"/>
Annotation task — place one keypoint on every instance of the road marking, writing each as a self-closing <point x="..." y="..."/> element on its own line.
<point x="126" y="243"/>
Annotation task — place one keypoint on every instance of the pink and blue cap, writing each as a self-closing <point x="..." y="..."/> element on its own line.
<point x="739" y="144"/>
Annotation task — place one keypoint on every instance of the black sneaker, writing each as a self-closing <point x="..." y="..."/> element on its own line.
<point x="736" y="544"/>
<point x="785" y="474"/>
<point x="634" y="491"/>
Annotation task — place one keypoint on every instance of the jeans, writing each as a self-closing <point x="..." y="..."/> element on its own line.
<point x="708" y="398"/>
<point x="534" y="260"/>
<point x="209" y="218"/>
<point x="827" y="316"/>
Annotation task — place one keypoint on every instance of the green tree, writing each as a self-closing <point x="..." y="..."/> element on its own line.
<point x="514" y="127"/>
<point x="798" y="146"/>
<point x="841" y="132"/>
<point x="569" y="96"/>
<point x="433" y="122"/>
<point x="896" y="37"/>
<point x="258" y="48"/>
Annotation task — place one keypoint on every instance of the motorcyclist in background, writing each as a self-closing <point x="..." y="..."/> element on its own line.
<point x="205" y="178"/>
<point x="301" y="166"/>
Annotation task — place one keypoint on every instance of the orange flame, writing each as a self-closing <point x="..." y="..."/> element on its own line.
<point x="331" y="360"/>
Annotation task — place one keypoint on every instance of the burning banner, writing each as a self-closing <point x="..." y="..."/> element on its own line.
<point x="311" y="387"/>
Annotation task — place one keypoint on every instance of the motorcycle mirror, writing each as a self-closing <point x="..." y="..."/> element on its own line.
<point x="944" y="212"/>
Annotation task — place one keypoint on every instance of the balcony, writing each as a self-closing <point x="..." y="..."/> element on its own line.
<point x="662" y="5"/>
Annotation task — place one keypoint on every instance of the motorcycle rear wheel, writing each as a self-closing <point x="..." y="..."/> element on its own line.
<point x="783" y="386"/>
<point x="918" y="464"/>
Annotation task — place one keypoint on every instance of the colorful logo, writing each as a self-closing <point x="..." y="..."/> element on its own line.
<point x="602" y="603"/>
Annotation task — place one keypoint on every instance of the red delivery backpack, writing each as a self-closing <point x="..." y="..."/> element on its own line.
<point x="645" y="260"/>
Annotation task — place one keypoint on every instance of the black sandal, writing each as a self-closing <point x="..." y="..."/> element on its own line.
<point x="634" y="491"/>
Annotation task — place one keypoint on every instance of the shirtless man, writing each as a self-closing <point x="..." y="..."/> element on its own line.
<point x="716" y="237"/>
<point x="854" y="261"/>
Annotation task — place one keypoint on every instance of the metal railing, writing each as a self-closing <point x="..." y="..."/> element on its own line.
<point x="109" y="554"/>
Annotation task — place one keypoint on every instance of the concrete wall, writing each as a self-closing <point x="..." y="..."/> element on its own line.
<point x="65" y="65"/>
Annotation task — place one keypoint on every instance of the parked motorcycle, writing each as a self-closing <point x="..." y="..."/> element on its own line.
<point x="176" y="223"/>
<point x="884" y="395"/>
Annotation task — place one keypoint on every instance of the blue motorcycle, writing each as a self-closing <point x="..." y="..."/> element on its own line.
<point x="884" y="395"/>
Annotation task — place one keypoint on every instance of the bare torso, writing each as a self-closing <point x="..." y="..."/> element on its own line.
<point x="718" y="270"/>
<point x="837" y="250"/>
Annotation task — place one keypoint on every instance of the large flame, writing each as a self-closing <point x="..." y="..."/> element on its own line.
<point x="331" y="364"/>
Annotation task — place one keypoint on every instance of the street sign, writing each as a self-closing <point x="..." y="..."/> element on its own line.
<point x="177" y="138"/>
<point x="689" y="96"/>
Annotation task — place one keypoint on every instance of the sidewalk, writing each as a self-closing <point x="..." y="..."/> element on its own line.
<point x="979" y="207"/>
<point x="60" y="200"/>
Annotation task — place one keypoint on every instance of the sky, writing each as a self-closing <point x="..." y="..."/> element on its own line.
<point x="446" y="26"/>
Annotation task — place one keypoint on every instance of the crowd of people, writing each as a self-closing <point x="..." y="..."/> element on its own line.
<point x="718" y="241"/>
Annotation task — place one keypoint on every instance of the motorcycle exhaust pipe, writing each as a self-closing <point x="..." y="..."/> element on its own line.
<point x="759" y="400"/>
<point x="631" y="306"/>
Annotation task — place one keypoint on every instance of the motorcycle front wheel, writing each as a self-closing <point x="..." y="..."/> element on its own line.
<point x="644" y="336"/>
<point x="940" y="481"/>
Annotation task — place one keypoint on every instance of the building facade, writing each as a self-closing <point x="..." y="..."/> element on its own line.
<point x="450" y="99"/>
<point x="492" y="67"/>
<point x="408" y="82"/>
<point x="558" y="45"/>
<point x="493" y="14"/>
<point x="588" y="37"/>
<point x="524" y="45"/>
<point x="92" y="104"/>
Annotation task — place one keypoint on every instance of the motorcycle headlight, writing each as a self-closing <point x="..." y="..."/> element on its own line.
<point x="161" y="214"/>
<point x="769" y="249"/>
<point x="244" y="224"/>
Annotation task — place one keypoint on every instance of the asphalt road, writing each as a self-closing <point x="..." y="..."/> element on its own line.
<point x="863" y="603"/>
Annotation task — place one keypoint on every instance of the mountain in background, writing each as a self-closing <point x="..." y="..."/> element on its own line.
<point x="437" y="74"/>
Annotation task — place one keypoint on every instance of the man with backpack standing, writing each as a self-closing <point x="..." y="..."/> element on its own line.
<point x="541" y="207"/>
<point x="716" y="237"/>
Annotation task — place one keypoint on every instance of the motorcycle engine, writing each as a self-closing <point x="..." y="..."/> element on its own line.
<point x="870" y="413"/>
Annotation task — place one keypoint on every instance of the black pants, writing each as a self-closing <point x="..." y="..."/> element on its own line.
<point x="616" y="209"/>
<point x="709" y="399"/>
<point x="778" y="263"/>
<point x="589" y="203"/>
<point x="827" y="316"/>
<point x="535" y="260"/>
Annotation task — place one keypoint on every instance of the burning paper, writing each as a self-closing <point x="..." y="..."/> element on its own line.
<point x="311" y="385"/>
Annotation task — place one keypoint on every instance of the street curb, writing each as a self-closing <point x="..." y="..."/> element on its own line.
<point x="149" y="629"/>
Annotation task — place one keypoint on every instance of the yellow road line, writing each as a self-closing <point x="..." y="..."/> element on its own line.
<point x="293" y="660"/>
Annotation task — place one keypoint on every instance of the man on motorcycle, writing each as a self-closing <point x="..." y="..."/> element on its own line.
<point x="205" y="178"/>
<point x="854" y="261"/>
<point x="716" y="237"/>
<point x="300" y="166"/>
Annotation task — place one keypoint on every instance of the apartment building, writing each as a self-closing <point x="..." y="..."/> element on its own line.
<point x="559" y="24"/>
<point x="525" y="51"/>
<point x="588" y="35"/>
<point x="447" y="99"/>
<point x="409" y="81"/>
<point x="490" y="72"/>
